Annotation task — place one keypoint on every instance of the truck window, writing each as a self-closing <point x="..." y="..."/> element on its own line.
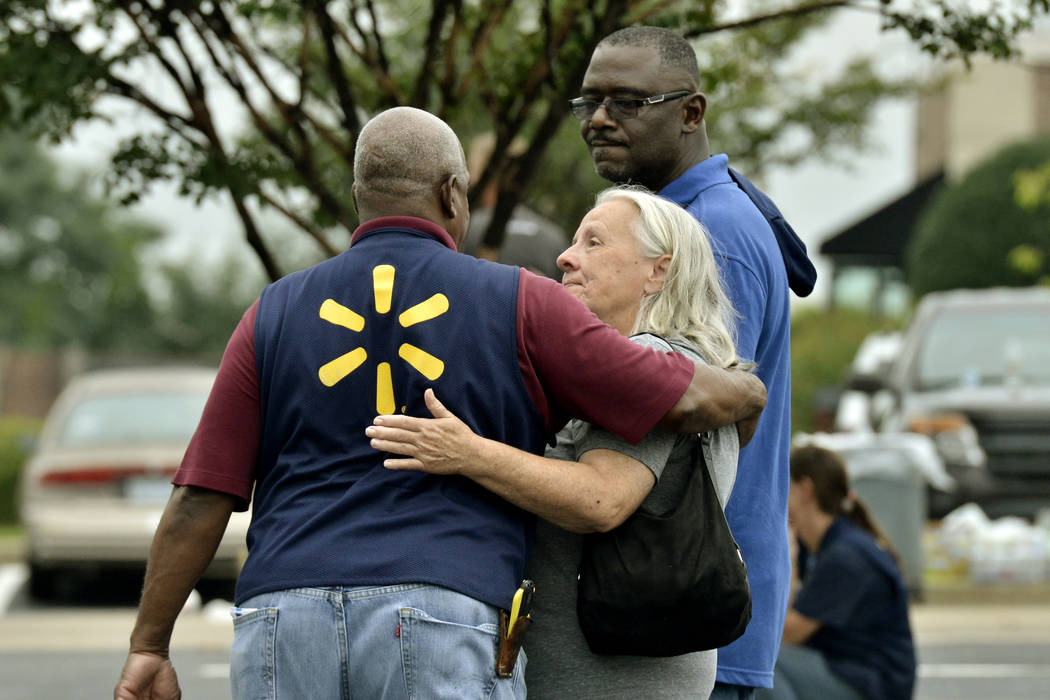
<point x="985" y="347"/>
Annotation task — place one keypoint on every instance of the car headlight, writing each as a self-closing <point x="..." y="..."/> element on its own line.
<point x="955" y="438"/>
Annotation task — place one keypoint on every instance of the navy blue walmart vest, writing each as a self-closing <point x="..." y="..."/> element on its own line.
<point x="365" y="333"/>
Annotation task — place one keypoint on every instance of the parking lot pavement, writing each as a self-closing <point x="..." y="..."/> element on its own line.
<point x="26" y="625"/>
<point x="989" y="623"/>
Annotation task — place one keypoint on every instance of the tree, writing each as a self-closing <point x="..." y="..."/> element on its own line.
<point x="1032" y="193"/>
<point x="69" y="269"/>
<point x="262" y="101"/>
<point x="202" y="305"/>
<point x="974" y="234"/>
<point x="72" y="271"/>
<point x="823" y="344"/>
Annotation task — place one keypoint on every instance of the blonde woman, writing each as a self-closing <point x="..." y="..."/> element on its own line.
<point x="644" y="266"/>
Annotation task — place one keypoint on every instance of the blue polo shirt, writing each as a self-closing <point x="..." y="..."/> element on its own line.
<point x="754" y="275"/>
<point x="855" y="590"/>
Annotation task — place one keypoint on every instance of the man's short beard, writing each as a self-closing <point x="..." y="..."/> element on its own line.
<point x="617" y="176"/>
<point x="625" y="176"/>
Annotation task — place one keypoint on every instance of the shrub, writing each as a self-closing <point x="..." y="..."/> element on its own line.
<point x="975" y="234"/>
<point x="14" y="430"/>
<point x="823" y="344"/>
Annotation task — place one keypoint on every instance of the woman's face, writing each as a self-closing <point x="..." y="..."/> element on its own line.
<point x="603" y="267"/>
<point x="793" y="495"/>
<point x="800" y="499"/>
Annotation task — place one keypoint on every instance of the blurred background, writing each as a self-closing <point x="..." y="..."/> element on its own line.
<point x="161" y="162"/>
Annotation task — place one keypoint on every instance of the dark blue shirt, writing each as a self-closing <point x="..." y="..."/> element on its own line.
<point x="855" y="590"/>
<point x="366" y="333"/>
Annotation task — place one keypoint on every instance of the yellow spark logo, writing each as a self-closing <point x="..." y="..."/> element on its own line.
<point x="331" y="373"/>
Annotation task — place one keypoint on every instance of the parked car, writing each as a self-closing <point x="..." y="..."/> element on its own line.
<point x="872" y="361"/>
<point x="93" y="491"/>
<point x="973" y="373"/>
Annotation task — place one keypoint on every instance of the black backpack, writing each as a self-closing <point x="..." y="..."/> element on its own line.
<point x="664" y="585"/>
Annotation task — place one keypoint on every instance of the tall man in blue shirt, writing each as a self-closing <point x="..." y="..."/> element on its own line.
<point x="642" y="116"/>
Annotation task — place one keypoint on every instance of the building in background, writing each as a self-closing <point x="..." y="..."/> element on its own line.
<point x="972" y="115"/>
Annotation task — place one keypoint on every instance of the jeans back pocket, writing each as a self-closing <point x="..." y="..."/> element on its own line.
<point x="253" y="655"/>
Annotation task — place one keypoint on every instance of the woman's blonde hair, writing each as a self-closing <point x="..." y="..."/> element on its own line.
<point x="692" y="303"/>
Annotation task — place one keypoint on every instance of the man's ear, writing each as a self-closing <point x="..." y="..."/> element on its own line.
<point x="695" y="108"/>
<point x="657" y="276"/>
<point x="449" y="207"/>
<point x="353" y="198"/>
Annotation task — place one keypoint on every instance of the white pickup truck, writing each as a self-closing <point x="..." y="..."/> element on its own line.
<point x="973" y="372"/>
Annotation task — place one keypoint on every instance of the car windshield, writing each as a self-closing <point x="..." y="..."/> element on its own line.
<point x="168" y="419"/>
<point x="985" y="347"/>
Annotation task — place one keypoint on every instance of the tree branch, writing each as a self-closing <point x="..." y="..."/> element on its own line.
<point x="437" y="21"/>
<point x="508" y="125"/>
<point x="337" y="76"/>
<point x="377" y="38"/>
<point x="203" y="122"/>
<point x="291" y="114"/>
<point x="479" y="43"/>
<point x="121" y="88"/>
<point x="526" y="165"/>
<point x="799" y="11"/>
<point x="447" y="84"/>
<point x="302" y="160"/>
<point x="373" y="60"/>
<point x="251" y="234"/>
<point x="305" y="224"/>
<point x="304" y="70"/>
<point x="134" y="12"/>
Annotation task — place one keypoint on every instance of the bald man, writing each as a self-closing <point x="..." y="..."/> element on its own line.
<point x="367" y="582"/>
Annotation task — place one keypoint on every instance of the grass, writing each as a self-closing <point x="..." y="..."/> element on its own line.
<point x="11" y="546"/>
<point x="10" y="530"/>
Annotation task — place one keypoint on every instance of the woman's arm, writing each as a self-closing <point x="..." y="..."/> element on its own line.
<point x="594" y="494"/>
<point x="798" y="628"/>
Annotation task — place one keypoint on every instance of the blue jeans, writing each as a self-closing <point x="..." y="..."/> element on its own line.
<point x="403" y="641"/>
<point x="727" y="691"/>
<point x="802" y="673"/>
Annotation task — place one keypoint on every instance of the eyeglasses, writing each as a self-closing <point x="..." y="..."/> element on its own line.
<point x="619" y="107"/>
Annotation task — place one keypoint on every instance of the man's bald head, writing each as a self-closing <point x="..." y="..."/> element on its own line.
<point x="406" y="153"/>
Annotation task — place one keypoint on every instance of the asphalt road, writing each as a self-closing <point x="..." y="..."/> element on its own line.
<point x="967" y="650"/>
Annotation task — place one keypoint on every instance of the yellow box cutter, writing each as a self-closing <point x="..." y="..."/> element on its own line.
<point x="522" y="603"/>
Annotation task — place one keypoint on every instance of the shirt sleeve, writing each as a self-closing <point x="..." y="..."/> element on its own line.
<point x="653" y="450"/>
<point x="573" y="365"/>
<point x="222" y="453"/>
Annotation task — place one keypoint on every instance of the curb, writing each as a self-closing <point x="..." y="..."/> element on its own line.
<point x="966" y="593"/>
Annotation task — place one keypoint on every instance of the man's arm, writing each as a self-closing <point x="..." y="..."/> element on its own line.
<point x="717" y="397"/>
<point x="189" y="532"/>
<point x="574" y="365"/>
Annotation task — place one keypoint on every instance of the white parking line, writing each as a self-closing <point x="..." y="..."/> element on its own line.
<point x="12" y="578"/>
<point x="984" y="670"/>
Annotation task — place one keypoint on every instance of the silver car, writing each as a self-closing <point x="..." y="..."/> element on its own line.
<point x="93" y="492"/>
